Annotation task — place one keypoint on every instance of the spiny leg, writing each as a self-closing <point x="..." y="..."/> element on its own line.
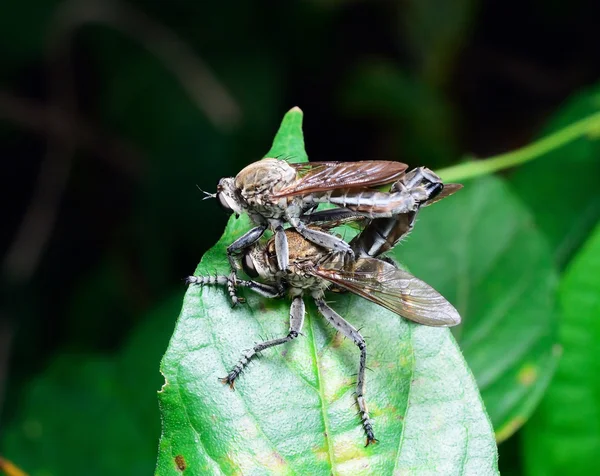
<point x="281" y="248"/>
<point x="266" y="290"/>
<point x="321" y="238"/>
<point x="243" y="242"/>
<point x="333" y="217"/>
<point x="219" y="281"/>
<point x="296" y="320"/>
<point x="349" y="331"/>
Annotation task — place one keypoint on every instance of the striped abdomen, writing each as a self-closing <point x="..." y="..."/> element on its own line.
<point x="370" y="203"/>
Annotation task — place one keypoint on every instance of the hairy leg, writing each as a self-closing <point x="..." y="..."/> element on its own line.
<point x="265" y="290"/>
<point x="296" y="321"/>
<point x="321" y="238"/>
<point x="349" y="331"/>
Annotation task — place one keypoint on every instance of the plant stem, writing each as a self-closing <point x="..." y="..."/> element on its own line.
<point x="476" y="168"/>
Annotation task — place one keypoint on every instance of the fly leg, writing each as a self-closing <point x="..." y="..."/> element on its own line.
<point x="217" y="280"/>
<point x="321" y="238"/>
<point x="265" y="290"/>
<point x="296" y="320"/>
<point x="281" y="246"/>
<point x="332" y="217"/>
<point x="243" y="242"/>
<point x="233" y="250"/>
<point x="349" y="331"/>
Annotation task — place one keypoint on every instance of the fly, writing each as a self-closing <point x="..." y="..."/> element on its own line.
<point x="273" y="192"/>
<point x="313" y="270"/>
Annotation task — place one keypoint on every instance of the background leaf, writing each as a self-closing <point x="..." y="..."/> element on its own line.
<point x="480" y="249"/>
<point x="292" y="411"/>
<point x="563" y="437"/>
<point x="565" y="202"/>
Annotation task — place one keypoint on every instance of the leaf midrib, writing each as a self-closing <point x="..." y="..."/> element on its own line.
<point x="410" y="387"/>
<point x="315" y="356"/>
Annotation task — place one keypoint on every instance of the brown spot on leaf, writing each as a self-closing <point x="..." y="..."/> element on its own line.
<point x="180" y="462"/>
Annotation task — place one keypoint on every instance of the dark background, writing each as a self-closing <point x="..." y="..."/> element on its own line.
<point x="112" y="113"/>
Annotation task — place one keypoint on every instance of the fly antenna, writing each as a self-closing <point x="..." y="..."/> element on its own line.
<point x="208" y="195"/>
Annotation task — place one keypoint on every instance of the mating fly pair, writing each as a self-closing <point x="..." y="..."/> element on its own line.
<point x="312" y="268"/>
<point x="274" y="192"/>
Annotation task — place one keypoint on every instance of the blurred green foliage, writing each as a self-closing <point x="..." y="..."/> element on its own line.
<point x="563" y="437"/>
<point x="420" y="82"/>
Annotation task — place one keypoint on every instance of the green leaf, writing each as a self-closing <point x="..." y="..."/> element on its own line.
<point x="289" y="141"/>
<point x="563" y="437"/>
<point x="292" y="411"/>
<point x="561" y="188"/>
<point x="481" y="250"/>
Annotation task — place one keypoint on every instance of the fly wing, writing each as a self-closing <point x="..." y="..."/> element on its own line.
<point x="394" y="289"/>
<point x="324" y="176"/>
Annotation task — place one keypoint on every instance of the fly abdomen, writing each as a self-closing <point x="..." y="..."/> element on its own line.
<point x="382" y="234"/>
<point x="370" y="203"/>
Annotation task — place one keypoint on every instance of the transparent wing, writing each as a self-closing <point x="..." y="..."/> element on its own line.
<point x="394" y="289"/>
<point x="324" y="176"/>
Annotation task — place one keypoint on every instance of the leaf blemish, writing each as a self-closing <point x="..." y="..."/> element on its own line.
<point x="180" y="462"/>
<point x="528" y="375"/>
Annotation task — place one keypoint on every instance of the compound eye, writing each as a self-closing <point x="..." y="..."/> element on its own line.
<point x="223" y="202"/>
<point x="248" y="266"/>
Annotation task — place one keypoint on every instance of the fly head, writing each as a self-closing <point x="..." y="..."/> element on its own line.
<point x="228" y="196"/>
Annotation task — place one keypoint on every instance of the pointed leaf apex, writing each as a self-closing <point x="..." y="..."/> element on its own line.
<point x="289" y="140"/>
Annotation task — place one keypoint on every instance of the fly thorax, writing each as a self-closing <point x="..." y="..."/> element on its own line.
<point x="267" y="208"/>
<point x="301" y="280"/>
<point x="264" y="177"/>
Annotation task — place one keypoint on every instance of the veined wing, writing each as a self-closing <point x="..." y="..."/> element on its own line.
<point x="394" y="289"/>
<point x="324" y="176"/>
